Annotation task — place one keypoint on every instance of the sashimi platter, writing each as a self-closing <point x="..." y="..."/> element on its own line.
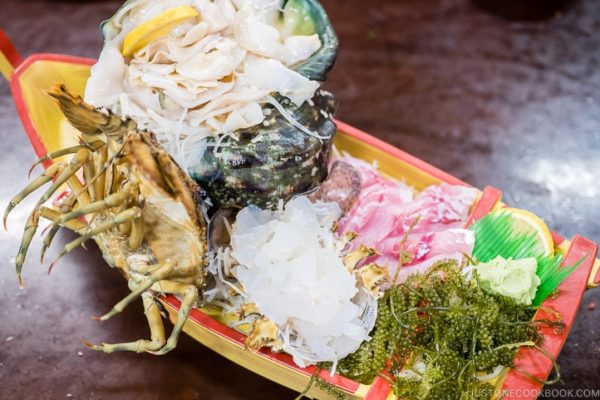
<point x="201" y="154"/>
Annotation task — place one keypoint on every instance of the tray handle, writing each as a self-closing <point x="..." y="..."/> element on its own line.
<point x="9" y="56"/>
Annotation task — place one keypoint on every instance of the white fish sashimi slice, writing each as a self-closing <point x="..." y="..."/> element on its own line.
<point x="258" y="37"/>
<point x="106" y="82"/>
<point x="213" y="65"/>
<point x="271" y="75"/>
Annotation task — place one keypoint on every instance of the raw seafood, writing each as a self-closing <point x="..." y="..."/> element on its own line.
<point x="342" y="186"/>
<point x="385" y="212"/>
<point x="288" y="268"/>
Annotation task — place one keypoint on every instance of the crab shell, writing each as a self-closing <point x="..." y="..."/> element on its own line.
<point x="172" y="227"/>
<point x="137" y="204"/>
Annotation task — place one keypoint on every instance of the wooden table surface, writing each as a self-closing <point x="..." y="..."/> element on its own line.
<point x="490" y="100"/>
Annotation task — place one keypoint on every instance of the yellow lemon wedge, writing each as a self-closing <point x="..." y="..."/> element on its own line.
<point x="526" y="222"/>
<point x="156" y="27"/>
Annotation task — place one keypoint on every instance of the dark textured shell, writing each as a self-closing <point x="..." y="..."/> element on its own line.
<point x="271" y="161"/>
<point x="276" y="160"/>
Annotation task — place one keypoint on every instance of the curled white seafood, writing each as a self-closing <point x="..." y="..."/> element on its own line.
<point x="208" y="76"/>
<point x="290" y="268"/>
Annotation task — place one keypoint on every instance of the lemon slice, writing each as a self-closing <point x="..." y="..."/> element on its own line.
<point x="526" y="222"/>
<point x="156" y="27"/>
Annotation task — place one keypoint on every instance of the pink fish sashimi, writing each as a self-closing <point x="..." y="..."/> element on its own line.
<point x="429" y="248"/>
<point x="385" y="210"/>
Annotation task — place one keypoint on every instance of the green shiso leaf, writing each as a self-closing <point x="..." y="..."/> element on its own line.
<point x="495" y="236"/>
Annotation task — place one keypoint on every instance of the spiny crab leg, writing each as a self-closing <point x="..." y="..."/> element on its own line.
<point x="77" y="187"/>
<point x="33" y="220"/>
<point x="163" y="271"/>
<point x="89" y="171"/>
<point x="53" y="215"/>
<point x="44" y="178"/>
<point x="66" y="151"/>
<point x="114" y="200"/>
<point x="48" y="240"/>
<point x="30" y="228"/>
<point x="69" y="172"/>
<point x="157" y="332"/>
<point x="136" y="236"/>
<point x="190" y="297"/>
<point x="113" y="222"/>
<point x="134" y="200"/>
<point x="99" y="180"/>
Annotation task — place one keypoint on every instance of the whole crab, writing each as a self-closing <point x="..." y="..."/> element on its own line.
<point x="142" y="210"/>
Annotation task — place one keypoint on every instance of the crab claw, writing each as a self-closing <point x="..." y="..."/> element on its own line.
<point x="90" y="345"/>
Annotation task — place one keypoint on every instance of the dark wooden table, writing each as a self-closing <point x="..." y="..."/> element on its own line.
<point x="492" y="101"/>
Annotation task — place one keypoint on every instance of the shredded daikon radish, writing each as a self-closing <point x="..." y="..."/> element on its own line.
<point x="207" y="77"/>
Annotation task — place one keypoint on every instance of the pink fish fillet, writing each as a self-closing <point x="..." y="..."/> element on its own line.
<point x="385" y="210"/>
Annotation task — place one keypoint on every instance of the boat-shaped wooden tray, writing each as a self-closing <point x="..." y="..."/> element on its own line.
<point x="47" y="130"/>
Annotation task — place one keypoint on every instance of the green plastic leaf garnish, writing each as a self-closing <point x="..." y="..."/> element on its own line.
<point x="495" y="236"/>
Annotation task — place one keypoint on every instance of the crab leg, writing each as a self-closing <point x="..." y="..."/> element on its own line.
<point x="78" y="159"/>
<point x="53" y="215"/>
<point x="134" y="200"/>
<point x="33" y="220"/>
<point x="137" y="233"/>
<point x="30" y="228"/>
<point x="48" y="240"/>
<point x="44" y="178"/>
<point x="111" y="223"/>
<point x="158" y="275"/>
<point x="105" y="164"/>
<point x="157" y="332"/>
<point x="190" y="297"/>
<point x="89" y="171"/>
<point x="64" y="152"/>
<point x="114" y="200"/>
<point x="77" y="187"/>
<point x="99" y="182"/>
<point x="115" y="181"/>
<point x="56" y="154"/>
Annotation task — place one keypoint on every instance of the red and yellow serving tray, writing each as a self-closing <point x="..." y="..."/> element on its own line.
<point x="32" y="78"/>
